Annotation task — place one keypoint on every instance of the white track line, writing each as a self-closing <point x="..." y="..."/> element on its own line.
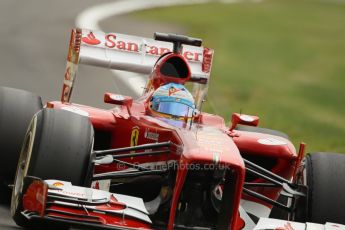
<point x="91" y="17"/>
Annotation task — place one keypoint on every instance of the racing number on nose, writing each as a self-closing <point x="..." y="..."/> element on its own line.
<point x="135" y="136"/>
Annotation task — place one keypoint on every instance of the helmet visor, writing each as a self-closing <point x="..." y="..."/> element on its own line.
<point x="175" y="109"/>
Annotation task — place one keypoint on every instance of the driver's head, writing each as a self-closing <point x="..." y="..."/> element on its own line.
<point x="172" y="101"/>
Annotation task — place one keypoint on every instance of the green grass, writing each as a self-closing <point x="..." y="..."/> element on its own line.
<point x="283" y="60"/>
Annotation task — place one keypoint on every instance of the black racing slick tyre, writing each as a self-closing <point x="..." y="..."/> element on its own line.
<point x="17" y="107"/>
<point x="326" y="187"/>
<point x="261" y="130"/>
<point x="57" y="145"/>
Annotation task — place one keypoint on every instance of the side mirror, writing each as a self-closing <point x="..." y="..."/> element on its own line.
<point x="118" y="99"/>
<point x="243" y="119"/>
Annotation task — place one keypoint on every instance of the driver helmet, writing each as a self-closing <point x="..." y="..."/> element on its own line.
<point x="172" y="101"/>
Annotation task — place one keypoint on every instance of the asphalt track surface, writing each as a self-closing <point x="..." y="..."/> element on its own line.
<point x="33" y="47"/>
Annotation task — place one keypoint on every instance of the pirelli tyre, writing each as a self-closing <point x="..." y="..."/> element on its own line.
<point x="57" y="145"/>
<point x="324" y="176"/>
<point x="261" y="130"/>
<point x="17" y="108"/>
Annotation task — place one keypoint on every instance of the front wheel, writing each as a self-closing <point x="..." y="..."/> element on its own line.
<point x="57" y="145"/>
<point x="17" y="107"/>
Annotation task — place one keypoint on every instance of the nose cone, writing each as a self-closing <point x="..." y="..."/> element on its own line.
<point x="211" y="145"/>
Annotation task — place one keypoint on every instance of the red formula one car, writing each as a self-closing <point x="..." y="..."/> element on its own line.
<point x="157" y="162"/>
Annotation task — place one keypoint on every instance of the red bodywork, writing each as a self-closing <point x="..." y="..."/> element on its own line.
<point x="213" y="135"/>
<point x="207" y="141"/>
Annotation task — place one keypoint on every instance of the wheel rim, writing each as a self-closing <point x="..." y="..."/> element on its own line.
<point x="23" y="166"/>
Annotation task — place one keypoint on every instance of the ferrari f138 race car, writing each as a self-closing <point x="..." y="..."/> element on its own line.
<point x="157" y="162"/>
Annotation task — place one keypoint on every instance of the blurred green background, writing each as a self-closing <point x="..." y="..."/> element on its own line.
<point x="283" y="60"/>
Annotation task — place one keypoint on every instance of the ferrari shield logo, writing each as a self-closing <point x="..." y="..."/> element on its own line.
<point x="135" y="136"/>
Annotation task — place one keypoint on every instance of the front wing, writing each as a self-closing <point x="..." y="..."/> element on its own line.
<point x="275" y="224"/>
<point x="53" y="200"/>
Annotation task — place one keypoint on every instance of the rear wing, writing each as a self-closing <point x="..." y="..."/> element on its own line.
<point x="128" y="53"/>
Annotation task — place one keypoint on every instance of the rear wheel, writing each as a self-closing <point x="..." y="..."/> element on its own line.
<point x="325" y="178"/>
<point x="57" y="145"/>
<point x="261" y="130"/>
<point x="17" y="108"/>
